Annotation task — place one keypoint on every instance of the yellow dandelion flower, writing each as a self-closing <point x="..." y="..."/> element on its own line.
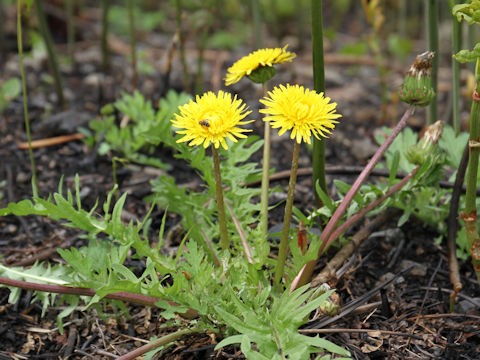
<point x="260" y="58"/>
<point x="211" y="119"/>
<point x="303" y="111"/>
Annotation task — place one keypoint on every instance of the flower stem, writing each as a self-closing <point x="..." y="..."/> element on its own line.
<point x="470" y="215"/>
<point x="283" y="249"/>
<point x="257" y="23"/>
<point x="432" y="20"/>
<point x="220" y="204"/>
<point x="25" y="105"/>
<point x="319" y="86"/>
<point x="140" y="299"/>
<point x="265" y="176"/>
<point x="305" y="274"/>
<point x="456" y="47"/>
<point x="164" y="340"/>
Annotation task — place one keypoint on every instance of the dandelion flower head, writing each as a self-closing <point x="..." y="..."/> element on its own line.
<point x="211" y="118"/>
<point x="262" y="57"/>
<point x="303" y="111"/>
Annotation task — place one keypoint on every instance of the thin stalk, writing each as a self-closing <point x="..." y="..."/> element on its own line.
<point x="452" y="227"/>
<point x="105" y="23"/>
<point x="305" y="274"/>
<point x="25" y="99"/>
<point x="183" y="59"/>
<point x="472" y="41"/>
<point x="372" y="205"/>
<point x="432" y="21"/>
<point x="70" y="290"/>
<point x="164" y="340"/>
<point x="470" y="216"/>
<point x="70" y="30"/>
<point x="257" y="24"/>
<point x="265" y="176"/>
<point x="222" y="220"/>
<point x="133" y="42"/>
<point x="283" y="247"/>
<point x="52" y="56"/>
<point x="456" y="47"/>
<point x="319" y="86"/>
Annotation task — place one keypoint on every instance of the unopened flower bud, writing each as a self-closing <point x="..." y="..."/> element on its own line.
<point x="427" y="146"/>
<point x="416" y="88"/>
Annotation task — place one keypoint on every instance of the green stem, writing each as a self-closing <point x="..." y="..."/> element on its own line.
<point x="133" y="52"/>
<point x="25" y="98"/>
<point x="432" y="20"/>
<point x="52" y="57"/>
<point x="164" y="340"/>
<point x="319" y="86"/>
<point x="283" y="248"/>
<point x="265" y="176"/>
<point x="222" y="220"/>
<point x="456" y="47"/>
<point x="470" y="216"/>
<point x="257" y="24"/>
<point x="70" y="30"/>
<point x="105" y="53"/>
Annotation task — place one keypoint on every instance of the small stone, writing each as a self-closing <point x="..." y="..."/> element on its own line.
<point x="466" y="306"/>
<point x="22" y="177"/>
<point x="363" y="148"/>
<point x="417" y="270"/>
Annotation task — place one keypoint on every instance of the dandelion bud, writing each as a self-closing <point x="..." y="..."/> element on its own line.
<point x="427" y="146"/>
<point x="416" y="88"/>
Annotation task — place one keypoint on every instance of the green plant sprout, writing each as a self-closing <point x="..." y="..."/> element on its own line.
<point x="318" y="154"/>
<point x="432" y="31"/>
<point x="456" y="47"/>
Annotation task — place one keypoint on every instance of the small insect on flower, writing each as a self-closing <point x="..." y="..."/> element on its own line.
<point x="204" y="123"/>
<point x="220" y="116"/>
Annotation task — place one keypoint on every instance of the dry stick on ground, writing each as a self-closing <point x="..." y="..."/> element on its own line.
<point x="51" y="141"/>
<point x="452" y="225"/>
<point x="347" y="250"/>
<point x="363" y="331"/>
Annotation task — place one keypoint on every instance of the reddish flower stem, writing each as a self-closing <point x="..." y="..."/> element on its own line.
<point x="353" y="219"/>
<point x="59" y="289"/>
<point x="306" y="272"/>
